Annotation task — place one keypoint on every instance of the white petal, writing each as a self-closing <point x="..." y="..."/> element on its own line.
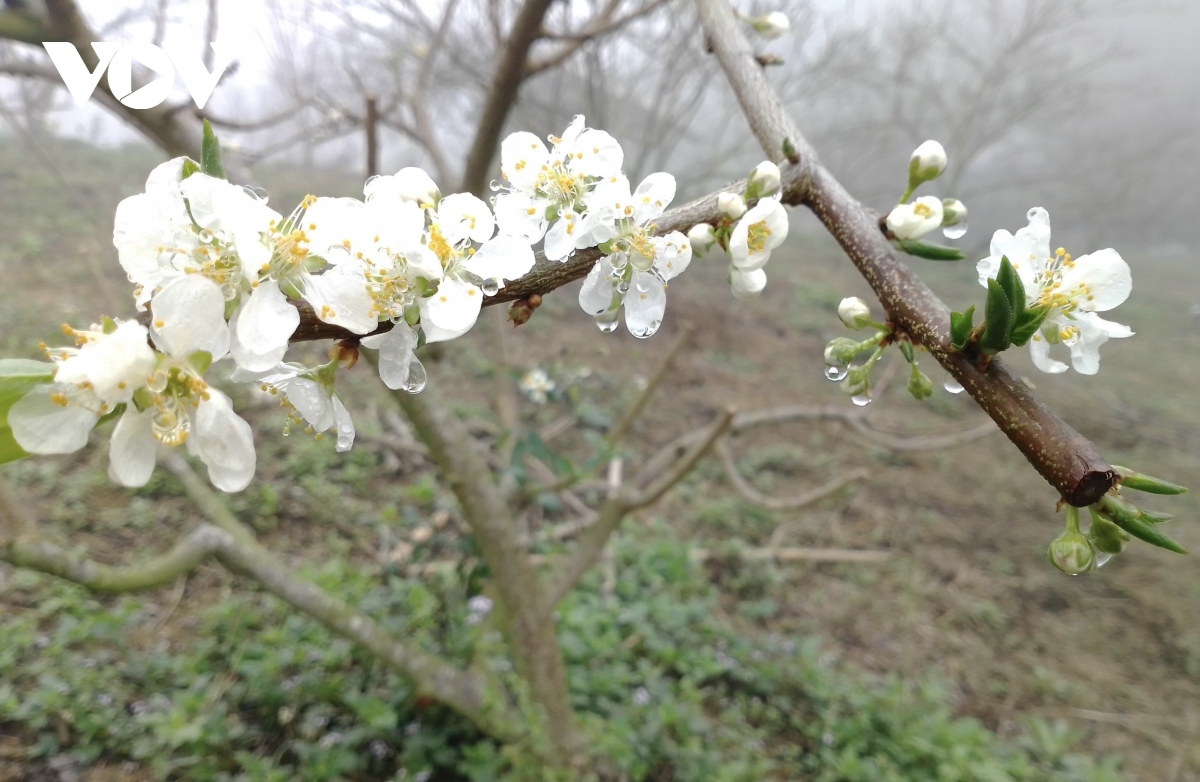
<point x="645" y="305"/>
<point x="340" y="296"/>
<point x="189" y="315"/>
<point x="597" y="154"/>
<point x="422" y="262"/>
<point x="39" y="425"/>
<point x="396" y="360"/>
<point x="397" y="225"/>
<point x="266" y="319"/>
<point x="141" y="229"/>
<point x="1106" y="277"/>
<point x="248" y="361"/>
<point x="747" y="285"/>
<point x="462" y="216"/>
<point x="560" y="238"/>
<point x="596" y="295"/>
<point x="1039" y="351"/>
<point x="451" y="312"/>
<point x="652" y="196"/>
<point x="164" y="179"/>
<point x="311" y="400"/>
<point x="1094" y="331"/>
<point x="502" y="258"/>
<point x="115" y="364"/>
<point x="224" y="442"/>
<point x="519" y="214"/>
<point x="522" y="156"/>
<point x="673" y="254"/>
<point x="133" y="450"/>
<point x="341" y="228"/>
<point x="344" y="426"/>
<point x="410" y="184"/>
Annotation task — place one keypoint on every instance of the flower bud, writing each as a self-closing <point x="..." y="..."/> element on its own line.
<point x="841" y="351"/>
<point x="746" y="285"/>
<point x="927" y="163"/>
<point x="854" y="312"/>
<point x="702" y="238"/>
<point x="731" y="205"/>
<point x="1071" y="552"/>
<point x="408" y="184"/>
<point x="954" y="212"/>
<point x="857" y="381"/>
<point x="919" y="384"/>
<point x="772" y="25"/>
<point x="764" y="180"/>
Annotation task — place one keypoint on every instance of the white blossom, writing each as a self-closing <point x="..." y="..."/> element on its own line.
<point x="746" y="285"/>
<point x="731" y="205"/>
<point x="537" y="385"/>
<point x="399" y="367"/>
<point x="702" y="238"/>
<point x="772" y="25"/>
<point x="854" y="312"/>
<point x="764" y="179"/>
<point x="914" y="220"/>
<point x="760" y="231"/>
<point x="409" y="184"/>
<point x="550" y="191"/>
<point x="308" y="397"/>
<point x="1074" y="288"/>
<point x="928" y="161"/>
<point x="639" y="264"/>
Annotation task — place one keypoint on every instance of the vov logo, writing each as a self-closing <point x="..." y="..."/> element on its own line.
<point x="119" y="59"/>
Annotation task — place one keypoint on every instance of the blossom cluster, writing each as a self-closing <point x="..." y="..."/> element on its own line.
<point x="219" y="274"/>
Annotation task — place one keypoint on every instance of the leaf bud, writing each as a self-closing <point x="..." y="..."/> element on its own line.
<point x="841" y="351"/>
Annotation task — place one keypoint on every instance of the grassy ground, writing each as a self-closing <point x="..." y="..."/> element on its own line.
<point x="966" y="614"/>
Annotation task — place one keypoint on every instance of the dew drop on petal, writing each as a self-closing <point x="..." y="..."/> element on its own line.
<point x="648" y="331"/>
<point x="955" y="231"/>
<point x="490" y="287"/>
<point x="836" y="374"/>
<point x="370" y="179"/>
<point x="953" y="386"/>
<point x="623" y="287"/>
<point x="862" y="400"/>
<point x="643" y="284"/>
<point x="607" y="326"/>
<point x="496" y="185"/>
<point x="415" y="382"/>
<point x="1102" y="558"/>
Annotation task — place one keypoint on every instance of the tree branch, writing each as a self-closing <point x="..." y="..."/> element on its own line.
<point x="1069" y="462"/>
<point x="747" y="490"/>
<point x="631" y="414"/>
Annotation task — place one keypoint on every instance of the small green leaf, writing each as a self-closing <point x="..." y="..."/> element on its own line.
<point x="107" y="324"/>
<point x="17" y="377"/>
<point x="200" y="361"/>
<point x="961" y="324"/>
<point x="998" y="320"/>
<point x="111" y="414"/>
<point x="1147" y="483"/>
<point x="906" y="348"/>
<point x="1156" y="517"/>
<point x="9" y="450"/>
<point x="143" y="399"/>
<point x="1028" y="324"/>
<point x="1128" y="518"/>
<point x="930" y="251"/>
<point x="189" y="167"/>
<point x="210" y="154"/>
<point x="1012" y="285"/>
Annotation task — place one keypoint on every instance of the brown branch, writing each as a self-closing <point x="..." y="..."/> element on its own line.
<point x="1069" y="462"/>
<point x="599" y="26"/>
<point x="747" y="490"/>
<point x="506" y="84"/>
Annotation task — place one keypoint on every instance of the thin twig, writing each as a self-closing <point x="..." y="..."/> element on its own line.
<point x="630" y="416"/>
<point x="744" y="487"/>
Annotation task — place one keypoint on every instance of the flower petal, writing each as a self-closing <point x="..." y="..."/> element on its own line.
<point x="596" y="295"/>
<point x="673" y="254"/>
<point x="1104" y="275"/>
<point x="465" y="216"/>
<point x="502" y="258"/>
<point x="520" y="214"/>
<point x="645" y="305"/>
<point x="652" y="196"/>
<point x="747" y="285"/>
<point x="1039" y="351"/>
<point x="40" y="425"/>
<point x="344" y="426"/>
<point x="596" y="153"/>
<point x="266" y="319"/>
<point x="452" y="311"/>
<point x="399" y="368"/>
<point x="522" y="156"/>
<point x="133" y="449"/>
<point x="224" y="442"/>
<point x="189" y="315"/>
<point x="250" y="361"/>
<point x="340" y="296"/>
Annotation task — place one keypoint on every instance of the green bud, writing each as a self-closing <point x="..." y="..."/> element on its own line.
<point x="954" y="212"/>
<point x="1071" y="552"/>
<point x="906" y="349"/>
<point x="841" y="351"/>
<point x="857" y="382"/>
<point x="1146" y="483"/>
<point x="1105" y="535"/>
<point x="107" y="324"/>
<point x="919" y="384"/>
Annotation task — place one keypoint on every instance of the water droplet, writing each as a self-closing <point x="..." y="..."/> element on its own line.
<point x="415" y="382"/>
<point x="836" y="374"/>
<point x="955" y="231"/>
<point x="370" y="179"/>
<point x="623" y="287"/>
<point x="618" y="261"/>
<point x="643" y="284"/>
<point x="648" y="331"/>
<point x="490" y="287"/>
<point x="953" y="386"/>
<point x="607" y="326"/>
<point x="496" y="185"/>
<point x="862" y="400"/>
<point x="1102" y="558"/>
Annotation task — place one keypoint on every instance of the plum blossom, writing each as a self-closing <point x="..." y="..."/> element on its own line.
<point x="456" y="225"/>
<point x="549" y="190"/>
<point x="537" y="385"/>
<point x="746" y="285"/>
<point x="399" y="367"/>
<point x="763" y="228"/>
<point x="928" y="161"/>
<point x="308" y="397"/>
<point x="639" y="263"/>
<point x="912" y="221"/>
<point x="1075" y="289"/>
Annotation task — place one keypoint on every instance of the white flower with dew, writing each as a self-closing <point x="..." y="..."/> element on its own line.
<point x="1075" y="289"/>
<point x="309" y="400"/>
<point x="746" y="285"/>
<point x="459" y="223"/>
<point x="731" y="206"/>
<point x="764" y="180"/>
<point x="928" y="161"/>
<point x="912" y="221"/>
<point x="399" y="367"/>
<point x="549" y="190"/>
<point x="760" y="231"/>
<point x="639" y="263"/>
<point x="409" y="184"/>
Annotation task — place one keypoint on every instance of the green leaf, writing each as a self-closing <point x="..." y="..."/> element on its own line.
<point x="1147" y="483"/>
<point x="1128" y="518"/>
<point x="210" y="154"/>
<point x="961" y="324"/>
<point x="1156" y="517"/>
<point x="1010" y="281"/>
<point x="930" y="251"/>
<point x="9" y="450"/>
<point x="200" y="361"/>
<point x="907" y="349"/>
<point x="1028" y="324"/>
<point x="17" y="377"/>
<point x="189" y="167"/>
<point x="997" y="319"/>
